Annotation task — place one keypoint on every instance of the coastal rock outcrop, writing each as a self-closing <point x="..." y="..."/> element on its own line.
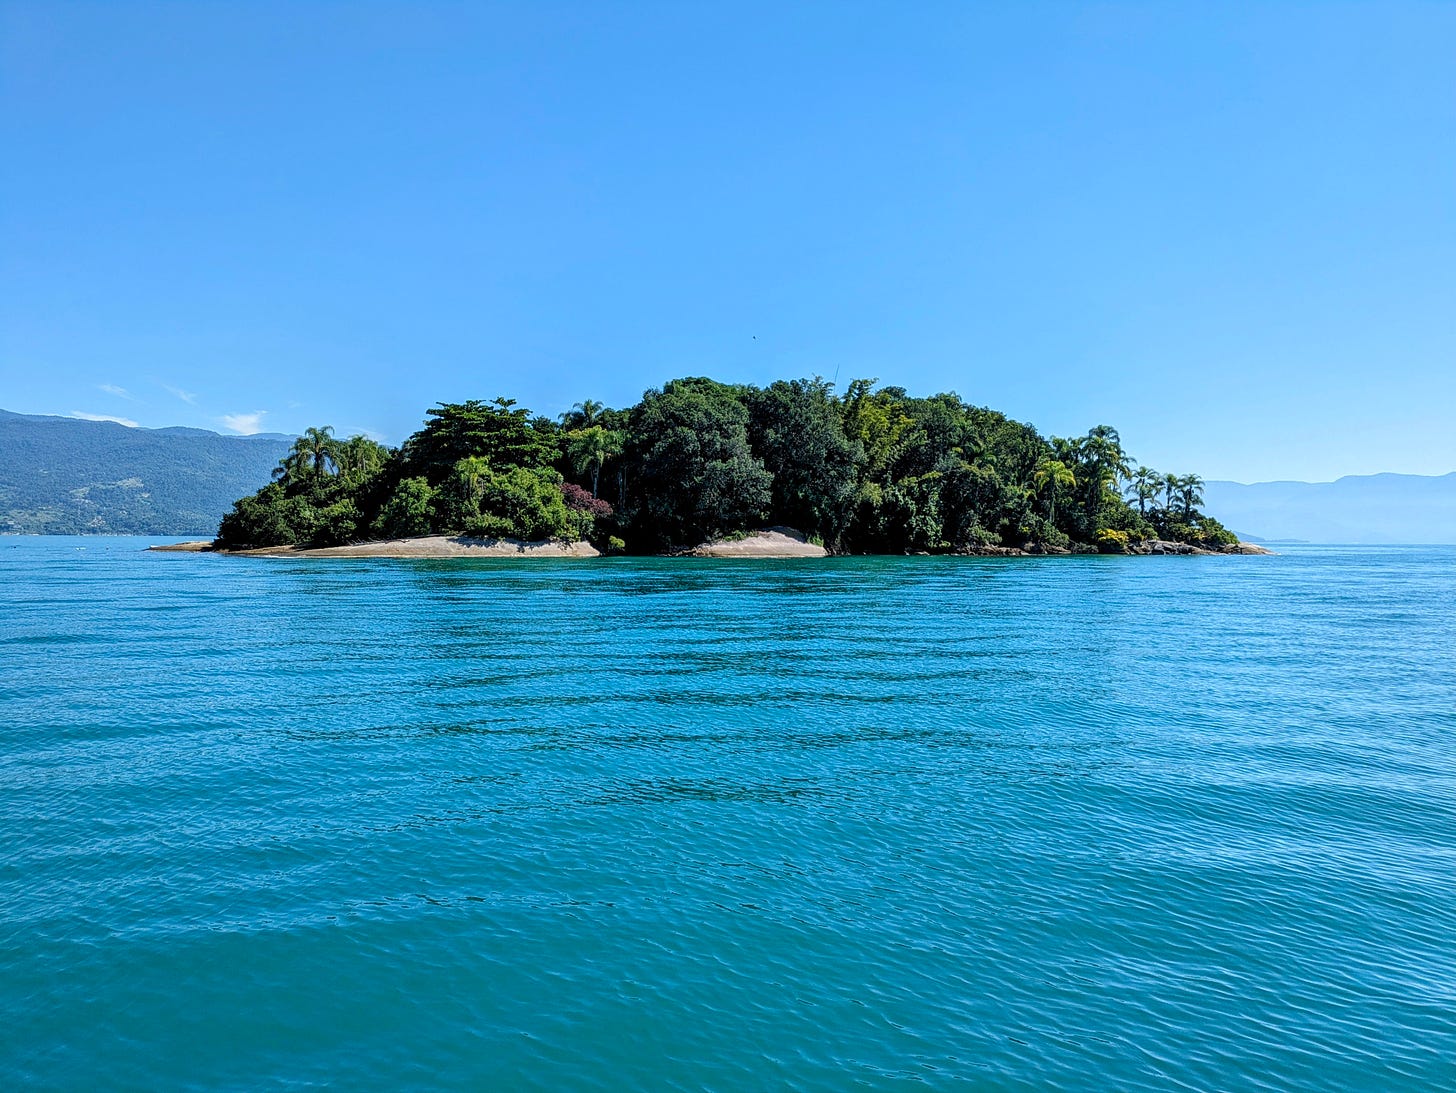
<point x="1165" y="546"/>
<point x="776" y="542"/>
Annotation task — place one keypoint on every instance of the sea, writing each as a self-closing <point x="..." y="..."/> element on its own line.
<point x="1079" y="823"/>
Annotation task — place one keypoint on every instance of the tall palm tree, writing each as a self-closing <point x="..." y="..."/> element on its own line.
<point x="1103" y="465"/>
<point x="1170" y="490"/>
<point x="1190" y="492"/>
<point x="314" y="454"/>
<point x="1146" y="485"/>
<point x="322" y="449"/>
<point x="1053" y="474"/>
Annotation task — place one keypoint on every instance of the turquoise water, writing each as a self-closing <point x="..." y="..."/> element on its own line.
<point x="1067" y="823"/>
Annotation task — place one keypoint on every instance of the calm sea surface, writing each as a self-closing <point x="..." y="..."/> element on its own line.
<point x="1070" y="823"/>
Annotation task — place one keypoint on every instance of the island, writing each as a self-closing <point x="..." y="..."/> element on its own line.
<point x="711" y="469"/>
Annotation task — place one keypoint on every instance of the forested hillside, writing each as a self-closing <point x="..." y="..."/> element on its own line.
<point x="869" y="471"/>
<point x="62" y="476"/>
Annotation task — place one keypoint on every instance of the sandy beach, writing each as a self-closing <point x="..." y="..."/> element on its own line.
<point x="430" y="546"/>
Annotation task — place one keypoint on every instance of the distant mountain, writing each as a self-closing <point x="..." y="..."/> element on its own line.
<point x="63" y="476"/>
<point x="1372" y="508"/>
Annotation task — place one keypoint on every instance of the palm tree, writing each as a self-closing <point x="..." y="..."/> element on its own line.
<point x="589" y="448"/>
<point x="1146" y="484"/>
<point x="1055" y="474"/>
<point x="293" y="467"/>
<point x="1190" y="492"/>
<point x="314" y="454"/>
<point x="582" y="415"/>
<point x="322" y="448"/>
<point x="1170" y="489"/>
<point x="1105" y="466"/>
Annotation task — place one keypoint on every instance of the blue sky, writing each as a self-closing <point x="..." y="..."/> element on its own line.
<point x="1227" y="229"/>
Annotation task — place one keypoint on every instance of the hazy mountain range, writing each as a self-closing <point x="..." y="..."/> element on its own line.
<point x="62" y="476"/>
<point x="1369" y="508"/>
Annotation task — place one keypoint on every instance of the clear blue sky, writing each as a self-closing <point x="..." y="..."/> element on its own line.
<point x="1227" y="229"/>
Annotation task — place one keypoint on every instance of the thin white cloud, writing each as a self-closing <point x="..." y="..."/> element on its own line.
<point x="128" y="422"/>
<point x="188" y="397"/>
<point x="247" y="424"/>
<point x="119" y="392"/>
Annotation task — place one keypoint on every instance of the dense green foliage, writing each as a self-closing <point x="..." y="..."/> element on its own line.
<point x="63" y="476"/>
<point x="871" y="471"/>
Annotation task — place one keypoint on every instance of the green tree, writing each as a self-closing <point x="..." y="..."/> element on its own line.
<point x="314" y="454"/>
<point x="582" y="415"/>
<point x="1102" y="465"/>
<point x="1190" y="492"/>
<point x="359" y="457"/>
<point x="322" y="449"/>
<point x="526" y="504"/>
<point x="797" y="429"/>
<point x="1146" y="485"/>
<point x="696" y="475"/>
<point x="1051" y="476"/>
<point x="407" y="512"/>
<point x="877" y="421"/>
<point x="337" y="523"/>
<point x="499" y="432"/>
<point x="293" y="469"/>
<point x="266" y="518"/>
<point x="456" y="503"/>
<point x="589" y="448"/>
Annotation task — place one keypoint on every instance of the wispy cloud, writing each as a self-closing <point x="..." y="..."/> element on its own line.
<point x="188" y="397"/>
<point x="119" y="392"/>
<point x="247" y="424"/>
<point x="128" y="422"/>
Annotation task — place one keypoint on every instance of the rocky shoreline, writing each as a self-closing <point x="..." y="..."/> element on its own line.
<point x="1143" y="546"/>
<point x="777" y="542"/>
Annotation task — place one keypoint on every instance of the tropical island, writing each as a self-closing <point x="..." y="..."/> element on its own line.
<point x="698" y="466"/>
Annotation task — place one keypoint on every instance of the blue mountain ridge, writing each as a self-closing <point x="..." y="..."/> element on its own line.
<point x="1369" y="508"/>
<point x="66" y="476"/>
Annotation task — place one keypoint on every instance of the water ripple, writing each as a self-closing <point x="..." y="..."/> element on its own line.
<point x="1080" y="823"/>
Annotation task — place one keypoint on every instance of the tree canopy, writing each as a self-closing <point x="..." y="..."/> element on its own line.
<point x="874" y="470"/>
